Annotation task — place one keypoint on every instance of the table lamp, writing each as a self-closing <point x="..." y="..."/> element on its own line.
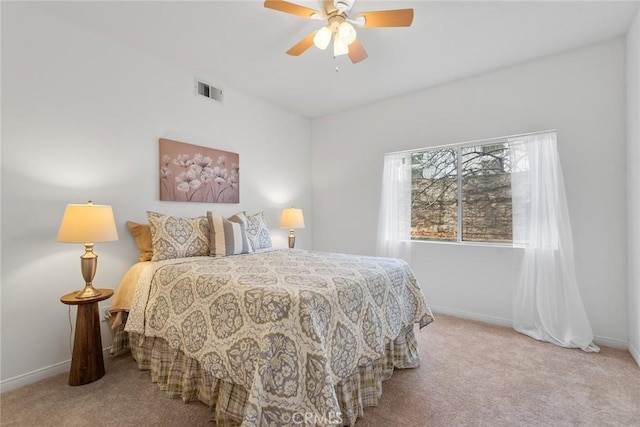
<point x="292" y="218"/>
<point x="88" y="224"/>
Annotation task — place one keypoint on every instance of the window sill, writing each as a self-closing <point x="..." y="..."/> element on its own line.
<point x="467" y="243"/>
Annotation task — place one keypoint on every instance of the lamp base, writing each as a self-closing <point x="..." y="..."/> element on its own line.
<point x="89" y="265"/>
<point x="292" y="239"/>
<point x="88" y="292"/>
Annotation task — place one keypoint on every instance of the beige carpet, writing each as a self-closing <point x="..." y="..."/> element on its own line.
<point x="471" y="374"/>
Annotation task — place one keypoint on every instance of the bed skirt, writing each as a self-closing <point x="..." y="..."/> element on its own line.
<point x="182" y="377"/>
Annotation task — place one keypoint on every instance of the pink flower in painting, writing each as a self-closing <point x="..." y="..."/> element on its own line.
<point x="202" y="161"/>
<point x="187" y="181"/>
<point x="220" y="175"/>
<point x="201" y="167"/>
<point x="208" y="171"/>
<point x="235" y="169"/>
<point x="233" y="181"/>
<point x="196" y="169"/>
<point x="166" y="160"/>
<point x="183" y="161"/>
<point x="165" y="172"/>
<point x="206" y="175"/>
<point x="205" y="178"/>
<point x="222" y="160"/>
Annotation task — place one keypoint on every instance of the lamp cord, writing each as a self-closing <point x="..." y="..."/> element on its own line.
<point x="70" y="333"/>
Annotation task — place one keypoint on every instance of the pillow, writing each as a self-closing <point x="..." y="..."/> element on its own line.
<point x="257" y="232"/>
<point x="176" y="237"/>
<point x="142" y="235"/>
<point x="228" y="236"/>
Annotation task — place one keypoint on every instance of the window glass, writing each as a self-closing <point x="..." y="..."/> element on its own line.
<point x="434" y="195"/>
<point x="486" y="193"/>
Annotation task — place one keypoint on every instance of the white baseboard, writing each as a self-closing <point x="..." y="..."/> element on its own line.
<point x="634" y="353"/>
<point x="611" y="342"/>
<point x="604" y="341"/>
<point x="493" y="320"/>
<point x="38" y="375"/>
<point x="34" y="376"/>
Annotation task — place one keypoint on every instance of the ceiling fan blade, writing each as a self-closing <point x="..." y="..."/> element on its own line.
<point x="286" y="7"/>
<point x="303" y="45"/>
<point x="388" y="18"/>
<point x="357" y="52"/>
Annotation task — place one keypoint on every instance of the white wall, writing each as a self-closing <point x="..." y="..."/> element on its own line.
<point x="633" y="183"/>
<point x="580" y="93"/>
<point x="81" y="119"/>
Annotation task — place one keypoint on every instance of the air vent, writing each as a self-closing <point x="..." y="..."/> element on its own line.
<point x="208" y="91"/>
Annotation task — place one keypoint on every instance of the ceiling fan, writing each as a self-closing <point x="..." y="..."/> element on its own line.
<point x="339" y="25"/>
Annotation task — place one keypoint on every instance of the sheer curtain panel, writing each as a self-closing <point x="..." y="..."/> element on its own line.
<point x="547" y="305"/>
<point x="394" y="222"/>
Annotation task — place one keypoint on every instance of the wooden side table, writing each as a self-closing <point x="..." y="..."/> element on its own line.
<point x="87" y="364"/>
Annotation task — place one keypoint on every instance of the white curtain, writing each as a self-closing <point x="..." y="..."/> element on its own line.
<point x="547" y="305"/>
<point x="394" y="222"/>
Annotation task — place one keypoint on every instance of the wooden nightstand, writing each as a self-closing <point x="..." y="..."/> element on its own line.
<point x="87" y="364"/>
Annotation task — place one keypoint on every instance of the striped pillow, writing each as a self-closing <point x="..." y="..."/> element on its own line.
<point x="228" y="236"/>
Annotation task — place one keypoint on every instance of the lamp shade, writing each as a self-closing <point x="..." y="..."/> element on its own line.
<point x="87" y="223"/>
<point x="291" y="218"/>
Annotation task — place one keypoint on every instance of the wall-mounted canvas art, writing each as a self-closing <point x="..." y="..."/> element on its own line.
<point x="191" y="173"/>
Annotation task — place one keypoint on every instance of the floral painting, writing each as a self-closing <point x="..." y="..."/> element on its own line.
<point x="190" y="173"/>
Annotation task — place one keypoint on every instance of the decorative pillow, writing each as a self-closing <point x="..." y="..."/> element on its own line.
<point x="228" y="236"/>
<point x="258" y="232"/>
<point x="175" y="237"/>
<point x="142" y="235"/>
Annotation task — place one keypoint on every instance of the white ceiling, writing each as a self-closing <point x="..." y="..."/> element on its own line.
<point x="243" y="44"/>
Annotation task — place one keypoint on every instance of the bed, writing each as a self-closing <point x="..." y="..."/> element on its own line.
<point x="274" y="337"/>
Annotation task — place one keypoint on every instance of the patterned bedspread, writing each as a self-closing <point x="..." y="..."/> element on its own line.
<point x="288" y="325"/>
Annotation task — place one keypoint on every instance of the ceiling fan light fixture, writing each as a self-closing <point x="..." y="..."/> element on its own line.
<point x="347" y="33"/>
<point x="339" y="25"/>
<point x="322" y="38"/>
<point x="339" y="47"/>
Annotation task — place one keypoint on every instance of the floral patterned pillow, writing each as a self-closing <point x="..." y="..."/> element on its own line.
<point x="175" y="237"/>
<point x="257" y="232"/>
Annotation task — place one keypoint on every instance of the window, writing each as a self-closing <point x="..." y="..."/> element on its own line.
<point x="462" y="193"/>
